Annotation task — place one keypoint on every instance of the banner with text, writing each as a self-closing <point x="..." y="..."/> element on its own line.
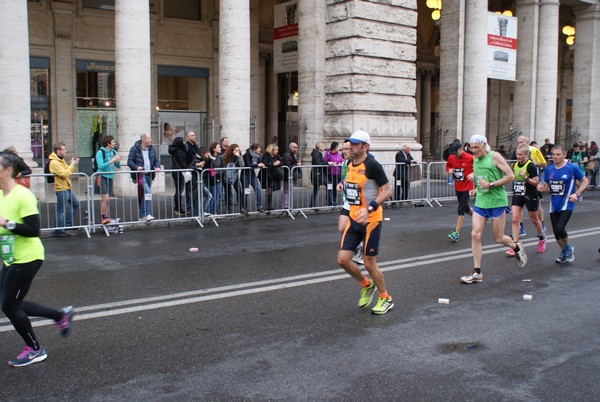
<point x="285" y="37"/>
<point x="502" y="47"/>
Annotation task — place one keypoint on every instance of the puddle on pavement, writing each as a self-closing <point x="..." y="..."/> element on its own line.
<point x="461" y="347"/>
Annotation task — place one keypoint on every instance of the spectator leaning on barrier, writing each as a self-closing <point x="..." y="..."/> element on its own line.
<point x="62" y="187"/>
<point x="214" y="161"/>
<point x="191" y="150"/>
<point x="271" y="175"/>
<point x="252" y="160"/>
<point x="199" y="163"/>
<point x="107" y="161"/>
<point x="334" y="159"/>
<point x="289" y="159"/>
<point x="403" y="162"/>
<point x="318" y="173"/>
<point x="179" y="161"/>
<point x="143" y="157"/>
<point x="233" y="161"/>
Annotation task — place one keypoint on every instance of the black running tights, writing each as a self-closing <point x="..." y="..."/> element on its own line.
<point x="559" y="223"/>
<point x="15" y="281"/>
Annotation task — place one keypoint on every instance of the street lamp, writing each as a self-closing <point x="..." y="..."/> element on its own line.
<point x="569" y="31"/>
<point x="436" y="5"/>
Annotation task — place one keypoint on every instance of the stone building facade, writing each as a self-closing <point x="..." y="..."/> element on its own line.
<point x="208" y="65"/>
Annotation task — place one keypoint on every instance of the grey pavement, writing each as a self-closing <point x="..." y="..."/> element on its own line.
<point x="262" y="312"/>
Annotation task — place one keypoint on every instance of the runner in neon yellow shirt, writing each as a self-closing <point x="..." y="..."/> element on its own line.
<point x="22" y="257"/>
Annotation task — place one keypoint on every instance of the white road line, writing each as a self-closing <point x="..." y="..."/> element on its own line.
<point x="224" y="292"/>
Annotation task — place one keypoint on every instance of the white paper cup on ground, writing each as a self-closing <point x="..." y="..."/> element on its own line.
<point x="527" y="297"/>
<point x="444" y="301"/>
<point x="193" y="249"/>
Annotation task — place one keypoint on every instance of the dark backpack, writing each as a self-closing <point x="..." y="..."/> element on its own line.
<point x="49" y="179"/>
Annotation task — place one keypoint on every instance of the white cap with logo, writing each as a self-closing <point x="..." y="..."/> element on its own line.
<point x="360" y="136"/>
<point x="480" y="139"/>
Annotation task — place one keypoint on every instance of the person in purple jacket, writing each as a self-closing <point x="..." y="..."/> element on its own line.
<point x="334" y="159"/>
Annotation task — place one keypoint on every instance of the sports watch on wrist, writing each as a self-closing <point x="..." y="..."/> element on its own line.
<point x="10" y="225"/>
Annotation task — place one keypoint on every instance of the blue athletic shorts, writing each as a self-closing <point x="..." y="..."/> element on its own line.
<point x="489" y="213"/>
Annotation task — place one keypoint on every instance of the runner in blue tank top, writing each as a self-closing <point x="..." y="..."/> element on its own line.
<point x="566" y="183"/>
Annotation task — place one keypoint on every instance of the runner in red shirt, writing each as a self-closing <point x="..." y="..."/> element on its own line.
<point x="460" y="165"/>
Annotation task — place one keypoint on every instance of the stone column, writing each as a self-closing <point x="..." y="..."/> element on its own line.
<point x="547" y="72"/>
<point x="132" y="78"/>
<point x="311" y="72"/>
<point x="64" y="105"/>
<point x="475" y="78"/>
<point x="15" y="100"/>
<point x="132" y="71"/>
<point x="586" y="77"/>
<point x="452" y="52"/>
<point x="524" y="102"/>
<point x="256" y="76"/>
<point x="234" y="70"/>
<point x="371" y="73"/>
<point x="426" y="107"/>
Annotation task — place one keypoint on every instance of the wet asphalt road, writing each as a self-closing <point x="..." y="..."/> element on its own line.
<point x="262" y="312"/>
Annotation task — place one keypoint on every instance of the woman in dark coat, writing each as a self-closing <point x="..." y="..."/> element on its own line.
<point x="271" y="175"/>
<point x="177" y="152"/>
<point x="215" y="184"/>
<point x="318" y="174"/>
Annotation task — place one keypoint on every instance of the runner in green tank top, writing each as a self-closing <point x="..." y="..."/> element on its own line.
<point x="490" y="174"/>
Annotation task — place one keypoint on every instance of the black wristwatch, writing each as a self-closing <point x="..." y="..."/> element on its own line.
<point x="10" y="225"/>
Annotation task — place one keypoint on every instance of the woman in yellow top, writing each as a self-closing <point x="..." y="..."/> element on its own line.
<point x="22" y="257"/>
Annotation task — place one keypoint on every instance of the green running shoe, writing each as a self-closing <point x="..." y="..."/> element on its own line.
<point x="383" y="305"/>
<point x="366" y="295"/>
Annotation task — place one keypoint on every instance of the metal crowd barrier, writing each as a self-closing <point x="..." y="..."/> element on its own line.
<point x="409" y="183"/>
<point x="440" y="188"/>
<point x="214" y="194"/>
<point x="124" y="202"/>
<point x="314" y="188"/>
<point x="245" y="191"/>
<point x="75" y="207"/>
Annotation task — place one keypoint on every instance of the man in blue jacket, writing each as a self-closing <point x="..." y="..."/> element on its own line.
<point x="144" y="159"/>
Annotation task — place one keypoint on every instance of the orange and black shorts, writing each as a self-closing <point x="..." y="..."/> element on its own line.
<point x="355" y="232"/>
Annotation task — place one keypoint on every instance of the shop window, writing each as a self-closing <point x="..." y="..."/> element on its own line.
<point x="38" y="82"/>
<point x="182" y="88"/>
<point x="101" y="4"/>
<point x="184" y="9"/>
<point x="95" y="84"/>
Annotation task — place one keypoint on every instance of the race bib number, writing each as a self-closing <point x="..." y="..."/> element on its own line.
<point x="352" y="193"/>
<point x="148" y="197"/>
<point x="459" y="174"/>
<point x="7" y="245"/>
<point x="519" y="188"/>
<point x="557" y="187"/>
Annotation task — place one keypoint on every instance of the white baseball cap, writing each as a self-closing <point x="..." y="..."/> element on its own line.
<point x="360" y="136"/>
<point x="480" y="139"/>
